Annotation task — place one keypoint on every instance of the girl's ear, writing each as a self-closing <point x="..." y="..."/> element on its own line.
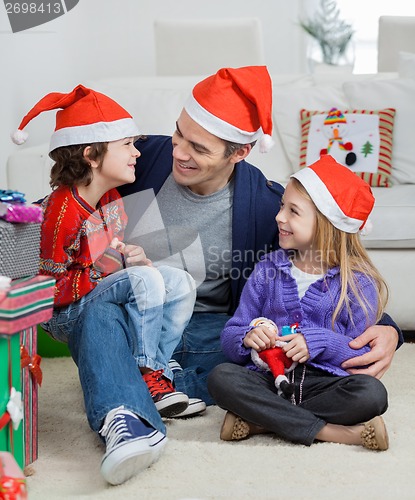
<point x="92" y="163"/>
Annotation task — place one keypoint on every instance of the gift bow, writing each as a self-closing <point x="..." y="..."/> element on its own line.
<point x="14" y="410"/>
<point x="33" y="362"/>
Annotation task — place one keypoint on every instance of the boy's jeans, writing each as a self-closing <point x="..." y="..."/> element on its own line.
<point x="155" y="305"/>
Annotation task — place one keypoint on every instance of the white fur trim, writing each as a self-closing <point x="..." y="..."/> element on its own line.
<point x="19" y="137"/>
<point x="325" y="202"/>
<point x="96" y="132"/>
<point x="367" y="228"/>
<point x="266" y="143"/>
<point x="258" y="361"/>
<point x="217" y="126"/>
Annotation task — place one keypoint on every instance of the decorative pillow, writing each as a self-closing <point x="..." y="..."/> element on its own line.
<point x="358" y="139"/>
<point x="395" y="93"/>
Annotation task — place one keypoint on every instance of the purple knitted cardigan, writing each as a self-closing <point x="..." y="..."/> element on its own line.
<point x="272" y="292"/>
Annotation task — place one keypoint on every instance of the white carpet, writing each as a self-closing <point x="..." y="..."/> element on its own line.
<point x="197" y="465"/>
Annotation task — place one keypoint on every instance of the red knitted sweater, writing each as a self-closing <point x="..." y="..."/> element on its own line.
<point x="75" y="239"/>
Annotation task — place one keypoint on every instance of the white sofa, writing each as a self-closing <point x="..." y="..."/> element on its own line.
<point x="155" y="103"/>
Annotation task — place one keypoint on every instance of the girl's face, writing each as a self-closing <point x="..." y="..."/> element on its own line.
<point x="118" y="165"/>
<point x="296" y="221"/>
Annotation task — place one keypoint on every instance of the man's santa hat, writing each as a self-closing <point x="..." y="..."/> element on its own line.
<point x="343" y="197"/>
<point x="235" y="104"/>
<point x="85" y="117"/>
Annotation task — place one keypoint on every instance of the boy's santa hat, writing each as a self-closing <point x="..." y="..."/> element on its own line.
<point x="85" y="117"/>
<point x="343" y="197"/>
<point x="235" y="104"/>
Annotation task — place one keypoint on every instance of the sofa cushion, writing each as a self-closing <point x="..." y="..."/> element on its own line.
<point x="398" y="94"/>
<point x="363" y="141"/>
<point x="406" y="65"/>
<point x="393" y="218"/>
<point x="288" y="103"/>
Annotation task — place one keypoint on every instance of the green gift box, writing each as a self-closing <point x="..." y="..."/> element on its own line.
<point x="11" y="429"/>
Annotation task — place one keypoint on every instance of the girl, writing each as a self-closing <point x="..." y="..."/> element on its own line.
<point x="323" y="284"/>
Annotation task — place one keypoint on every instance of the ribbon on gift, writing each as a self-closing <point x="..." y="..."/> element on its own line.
<point x="33" y="362"/>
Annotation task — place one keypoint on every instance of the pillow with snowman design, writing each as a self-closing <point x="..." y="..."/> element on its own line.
<point x="358" y="139"/>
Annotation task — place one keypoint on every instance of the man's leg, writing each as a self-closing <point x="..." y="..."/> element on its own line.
<point x="198" y="353"/>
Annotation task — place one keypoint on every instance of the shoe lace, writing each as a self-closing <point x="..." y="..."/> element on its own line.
<point x="116" y="430"/>
<point x="157" y="383"/>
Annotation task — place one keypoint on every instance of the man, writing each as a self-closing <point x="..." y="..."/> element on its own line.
<point x="203" y="184"/>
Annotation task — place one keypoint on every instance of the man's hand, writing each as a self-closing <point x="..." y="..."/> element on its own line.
<point x="382" y="341"/>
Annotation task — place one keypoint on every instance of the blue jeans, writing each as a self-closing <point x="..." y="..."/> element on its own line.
<point x="198" y="352"/>
<point x="133" y="318"/>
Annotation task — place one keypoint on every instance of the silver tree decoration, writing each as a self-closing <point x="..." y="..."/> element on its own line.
<point x="332" y="33"/>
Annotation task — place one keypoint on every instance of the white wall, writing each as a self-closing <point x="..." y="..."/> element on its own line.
<point x="98" y="39"/>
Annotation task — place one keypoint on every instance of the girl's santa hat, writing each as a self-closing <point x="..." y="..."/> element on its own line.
<point x="85" y="117"/>
<point x="343" y="197"/>
<point x="235" y="104"/>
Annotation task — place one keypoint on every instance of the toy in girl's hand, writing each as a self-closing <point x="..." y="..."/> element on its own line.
<point x="274" y="359"/>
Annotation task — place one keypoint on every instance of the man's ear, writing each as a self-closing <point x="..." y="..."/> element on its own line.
<point x="85" y="154"/>
<point x="241" y="153"/>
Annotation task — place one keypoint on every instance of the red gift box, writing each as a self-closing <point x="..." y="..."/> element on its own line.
<point x="12" y="480"/>
<point x="27" y="302"/>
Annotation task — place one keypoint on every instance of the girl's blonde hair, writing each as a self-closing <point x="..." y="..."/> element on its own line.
<point x="345" y="250"/>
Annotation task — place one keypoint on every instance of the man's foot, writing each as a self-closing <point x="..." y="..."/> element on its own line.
<point x="168" y="401"/>
<point x="196" y="407"/>
<point x="131" y="445"/>
<point x="374" y="435"/>
<point x="234" y="428"/>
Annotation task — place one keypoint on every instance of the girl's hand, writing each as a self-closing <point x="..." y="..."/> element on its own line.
<point x="296" y="347"/>
<point x="260" y="338"/>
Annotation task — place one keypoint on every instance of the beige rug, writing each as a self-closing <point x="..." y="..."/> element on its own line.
<point x="197" y="465"/>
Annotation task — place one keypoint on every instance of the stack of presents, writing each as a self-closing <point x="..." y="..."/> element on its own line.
<point x="26" y="299"/>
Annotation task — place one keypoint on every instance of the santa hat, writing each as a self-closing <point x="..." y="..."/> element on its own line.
<point x="343" y="197"/>
<point x="334" y="116"/>
<point x="235" y="104"/>
<point x="86" y="117"/>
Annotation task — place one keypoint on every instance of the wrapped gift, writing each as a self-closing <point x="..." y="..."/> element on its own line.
<point x="23" y="305"/>
<point x="31" y="380"/>
<point x="21" y="213"/>
<point x="26" y="303"/>
<point x="19" y="249"/>
<point x="12" y="481"/>
<point x="11" y="410"/>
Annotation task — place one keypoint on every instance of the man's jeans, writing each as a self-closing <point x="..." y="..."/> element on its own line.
<point x="198" y="352"/>
<point x="133" y="318"/>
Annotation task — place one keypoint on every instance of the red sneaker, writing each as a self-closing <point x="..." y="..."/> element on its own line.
<point x="168" y="401"/>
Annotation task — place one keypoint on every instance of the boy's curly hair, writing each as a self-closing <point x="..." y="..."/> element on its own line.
<point x="71" y="168"/>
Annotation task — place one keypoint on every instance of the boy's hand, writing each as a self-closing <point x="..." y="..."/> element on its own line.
<point x="134" y="255"/>
<point x="260" y="338"/>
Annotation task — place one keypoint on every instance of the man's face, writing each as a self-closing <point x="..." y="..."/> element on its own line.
<point x="199" y="158"/>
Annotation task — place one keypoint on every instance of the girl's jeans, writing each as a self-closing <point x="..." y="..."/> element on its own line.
<point x="142" y="314"/>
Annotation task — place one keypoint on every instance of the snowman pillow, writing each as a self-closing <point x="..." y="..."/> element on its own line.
<point x="358" y="139"/>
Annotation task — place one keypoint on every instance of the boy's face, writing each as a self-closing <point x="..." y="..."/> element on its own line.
<point x="118" y="165"/>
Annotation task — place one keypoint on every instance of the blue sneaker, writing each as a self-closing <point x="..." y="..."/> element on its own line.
<point x="132" y="445"/>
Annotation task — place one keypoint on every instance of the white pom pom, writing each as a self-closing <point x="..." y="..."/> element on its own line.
<point x="19" y="137"/>
<point x="367" y="228"/>
<point x="265" y="143"/>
